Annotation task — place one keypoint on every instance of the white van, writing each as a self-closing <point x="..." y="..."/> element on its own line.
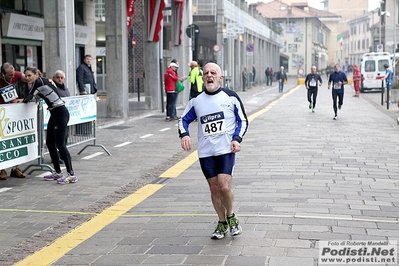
<point x="372" y="69"/>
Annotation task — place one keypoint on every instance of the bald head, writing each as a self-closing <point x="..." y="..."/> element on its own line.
<point x="212" y="77"/>
<point x="313" y="69"/>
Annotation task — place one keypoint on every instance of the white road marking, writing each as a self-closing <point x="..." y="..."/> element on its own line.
<point x="254" y="100"/>
<point x="5" y="189"/>
<point x="164" y="129"/>
<point x="122" y="144"/>
<point x="92" y="156"/>
<point x="146" y="136"/>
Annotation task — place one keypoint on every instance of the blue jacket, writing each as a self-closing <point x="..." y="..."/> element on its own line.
<point x="335" y="77"/>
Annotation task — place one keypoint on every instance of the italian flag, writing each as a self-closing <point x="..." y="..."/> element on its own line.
<point x="340" y="39"/>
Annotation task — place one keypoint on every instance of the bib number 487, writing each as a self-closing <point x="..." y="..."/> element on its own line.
<point x="213" y="128"/>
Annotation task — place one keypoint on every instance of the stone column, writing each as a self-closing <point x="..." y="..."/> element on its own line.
<point x="183" y="52"/>
<point x="116" y="45"/>
<point x="219" y="33"/>
<point x="153" y="86"/>
<point x="59" y="44"/>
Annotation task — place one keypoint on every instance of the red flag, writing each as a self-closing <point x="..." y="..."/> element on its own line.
<point x="155" y="16"/>
<point x="179" y="6"/>
<point x="130" y="12"/>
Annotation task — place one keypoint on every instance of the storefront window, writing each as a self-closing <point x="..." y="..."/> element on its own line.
<point x="21" y="56"/>
<point x="31" y="6"/>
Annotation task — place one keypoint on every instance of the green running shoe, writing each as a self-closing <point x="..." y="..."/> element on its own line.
<point x="234" y="224"/>
<point x="220" y="231"/>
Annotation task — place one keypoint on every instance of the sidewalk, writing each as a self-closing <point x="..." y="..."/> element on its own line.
<point x="301" y="177"/>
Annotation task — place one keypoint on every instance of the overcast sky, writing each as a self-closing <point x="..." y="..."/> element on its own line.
<point x="316" y="3"/>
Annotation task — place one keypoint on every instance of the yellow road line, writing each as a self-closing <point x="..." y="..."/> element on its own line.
<point x="62" y="245"/>
<point x="180" y="167"/>
<point x="273" y="103"/>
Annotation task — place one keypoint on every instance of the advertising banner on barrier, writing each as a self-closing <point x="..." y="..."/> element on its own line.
<point x="81" y="109"/>
<point x="18" y="138"/>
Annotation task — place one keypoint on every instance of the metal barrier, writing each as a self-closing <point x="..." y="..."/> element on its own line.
<point x="81" y="128"/>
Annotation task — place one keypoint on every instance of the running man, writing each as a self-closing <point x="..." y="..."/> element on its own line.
<point x="312" y="82"/>
<point x="338" y="80"/>
<point x="222" y="123"/>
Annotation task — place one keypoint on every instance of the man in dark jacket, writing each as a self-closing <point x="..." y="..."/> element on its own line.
<point x="281" y="77"/>
<point x="267" y="73"/>
<point x="85" y="77"/>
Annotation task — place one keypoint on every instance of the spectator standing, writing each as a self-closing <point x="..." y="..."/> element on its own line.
<point x="312" y="83"/>
<point x="170" y="79"/>
<point x="195" y="78"/>
<point x="388" y="81"/>
<point x="8" y="77"/>
<point x="85" y="77"/>
<point x="86" y="85"/>
<point x="253" y="74"/>
<point x="59" y="79"/>
<point x="356" y="80"/>
<point x="244" y="77"/>
<point x="57" y="126"/>
<point x="271" y="73"/>
<point x="337" y="79"/>
<point x="222" y="123"/>
<point x="281" y="77"/>
<point x="267" y="74"/>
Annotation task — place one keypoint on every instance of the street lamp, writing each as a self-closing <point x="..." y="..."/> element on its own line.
<point x="382" y="13"/>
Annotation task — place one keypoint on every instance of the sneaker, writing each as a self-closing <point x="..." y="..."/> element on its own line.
<point x="53" y="176"/>
<point x="310" y="105"/>
<point x="3" y="174"/>
<point x="168" y="119"/>
<point x="339" y="107"/>
<point x="234" y="224"/>
<point x="220" y="231"/>
<point x="176" y="117"/>
<point x="335" y="117"/>
<point x="17" y="173"/>
<point x="67" y="179"/>
<point x="313" y="110"/>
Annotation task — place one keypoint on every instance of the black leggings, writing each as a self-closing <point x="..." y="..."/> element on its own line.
<point x="312" y="91"/>
<point x="340" y="96"/>
<point x="57" y="133"/>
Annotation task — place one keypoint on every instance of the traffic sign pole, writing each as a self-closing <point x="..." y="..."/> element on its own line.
<point x="192" y="32"/>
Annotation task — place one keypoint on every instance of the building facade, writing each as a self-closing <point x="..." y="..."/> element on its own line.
<point x="360" y="37"/>
<point x="303" y="34"/>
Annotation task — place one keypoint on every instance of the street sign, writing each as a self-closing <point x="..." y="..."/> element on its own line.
<point x="192" y="30"/>
<point x="230" y="36"/>
<point x="250" y="47"/>
<point x="380" y="47"/>
<point x="234" y="28"/>
<point x="216" y="48"/>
